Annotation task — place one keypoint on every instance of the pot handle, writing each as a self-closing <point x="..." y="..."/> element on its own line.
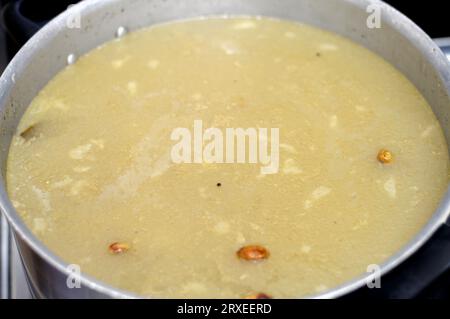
<point x="4" y="257"/>
<point x="18" y="26"/>
<point x="444" y="45"/>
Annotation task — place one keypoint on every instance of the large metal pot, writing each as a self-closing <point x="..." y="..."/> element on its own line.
<point x="398" y="40"/>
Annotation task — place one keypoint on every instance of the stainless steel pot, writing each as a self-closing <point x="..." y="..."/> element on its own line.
<point x="398" y="40"/>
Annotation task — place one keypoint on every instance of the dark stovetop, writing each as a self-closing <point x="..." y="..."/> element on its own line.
<point x="416" y="279"/>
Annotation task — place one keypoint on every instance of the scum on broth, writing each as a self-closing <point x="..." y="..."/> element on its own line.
<point x="363" y="161"/>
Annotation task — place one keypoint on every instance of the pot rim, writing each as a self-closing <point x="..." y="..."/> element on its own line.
<point x="390" y="16"/>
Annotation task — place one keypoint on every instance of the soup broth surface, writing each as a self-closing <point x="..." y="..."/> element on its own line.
<point x="91" y="162"/>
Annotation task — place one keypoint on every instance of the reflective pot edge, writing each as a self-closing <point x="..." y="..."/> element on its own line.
<point x="47" y="273"/>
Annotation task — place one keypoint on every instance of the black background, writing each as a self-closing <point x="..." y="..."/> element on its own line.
<point x="432" y="15"/>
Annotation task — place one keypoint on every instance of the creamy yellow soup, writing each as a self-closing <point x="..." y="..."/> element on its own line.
<point x="362" y="161"/>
